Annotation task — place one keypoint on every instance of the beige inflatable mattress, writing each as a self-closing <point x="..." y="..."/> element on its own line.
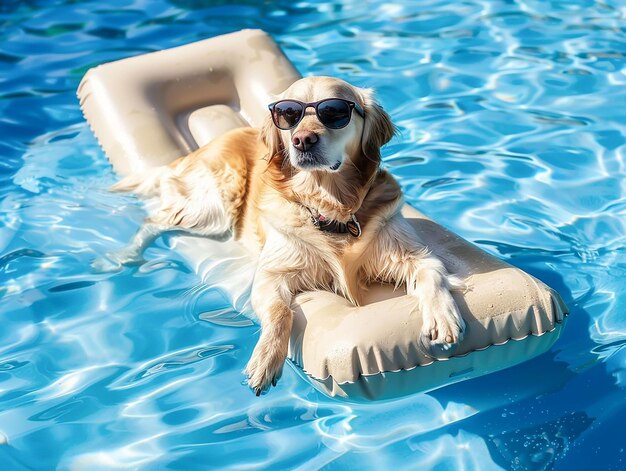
<point x="151" y="109"/>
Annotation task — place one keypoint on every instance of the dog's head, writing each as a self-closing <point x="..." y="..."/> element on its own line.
<point x="312" y="146"/>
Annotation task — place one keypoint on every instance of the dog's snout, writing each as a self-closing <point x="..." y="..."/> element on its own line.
<point x="304" y="140"/>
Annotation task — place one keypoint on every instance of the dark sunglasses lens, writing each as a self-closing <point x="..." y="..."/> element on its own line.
<point x="286" y="114"/>
<point x="334" y="114"/>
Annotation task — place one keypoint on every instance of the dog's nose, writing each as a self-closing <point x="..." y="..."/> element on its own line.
<point x="303" y="140"/>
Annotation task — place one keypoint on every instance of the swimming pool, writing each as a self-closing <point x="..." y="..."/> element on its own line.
<point x="512" y="135"/>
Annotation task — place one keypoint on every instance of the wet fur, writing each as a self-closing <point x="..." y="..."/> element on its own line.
<point x="246" y="183"/>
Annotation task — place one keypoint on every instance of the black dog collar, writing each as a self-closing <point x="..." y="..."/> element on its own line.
<point x="351" y="227"/>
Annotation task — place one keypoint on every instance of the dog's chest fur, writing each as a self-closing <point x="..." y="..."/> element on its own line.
<point x="305" y="257"/>
<point x="308" y="258"/>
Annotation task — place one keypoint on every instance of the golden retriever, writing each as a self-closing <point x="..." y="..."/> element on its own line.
<point x="312" y="201"/>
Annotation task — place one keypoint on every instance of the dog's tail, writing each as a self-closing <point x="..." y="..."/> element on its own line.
<point x="147" y="183"/>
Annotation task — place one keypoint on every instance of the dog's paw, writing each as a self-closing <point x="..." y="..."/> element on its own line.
<point x="266" y="366"/>
<point x="443" y="328"/>
<point x="105" y="265"/>
<point x="114" y="261"/>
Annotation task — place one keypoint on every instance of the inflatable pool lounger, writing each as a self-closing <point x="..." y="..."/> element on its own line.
<point x="151" y="109"/>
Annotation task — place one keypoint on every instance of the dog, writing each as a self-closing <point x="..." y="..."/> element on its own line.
<point x="307" y="194"/>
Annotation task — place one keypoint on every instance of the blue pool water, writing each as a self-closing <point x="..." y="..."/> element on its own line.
<point x="512" y="117"/>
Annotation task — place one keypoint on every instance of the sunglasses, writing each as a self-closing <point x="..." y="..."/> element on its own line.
<point x="334" y="113"/>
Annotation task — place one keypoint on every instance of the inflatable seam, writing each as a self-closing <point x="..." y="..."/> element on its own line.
<point x="557" y="326"/>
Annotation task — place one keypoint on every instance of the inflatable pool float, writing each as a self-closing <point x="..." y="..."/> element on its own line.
<point x="151" y="109"/>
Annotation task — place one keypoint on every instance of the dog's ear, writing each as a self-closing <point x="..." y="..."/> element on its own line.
<point x="270" y="135"/>
<point x="378" y="128"/>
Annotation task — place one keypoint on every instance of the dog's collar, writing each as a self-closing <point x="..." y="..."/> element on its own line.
<point x="351" y="226"/>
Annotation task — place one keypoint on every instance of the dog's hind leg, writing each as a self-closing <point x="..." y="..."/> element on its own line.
<point x="200" y="194"/>
<point x="132" y="254"/>
<point x="180" y="208"/>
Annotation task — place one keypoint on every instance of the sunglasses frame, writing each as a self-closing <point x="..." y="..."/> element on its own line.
<point x="315" y="104"/>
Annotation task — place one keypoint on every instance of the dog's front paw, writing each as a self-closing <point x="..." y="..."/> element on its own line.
<point x="443" y="327"/>
<point x="266" y="365"/>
